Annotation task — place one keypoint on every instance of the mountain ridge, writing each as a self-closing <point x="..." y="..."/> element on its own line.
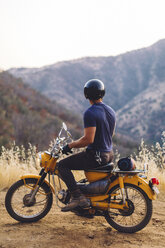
<point x="125" y="76"/>
<point x="26" y="117"/>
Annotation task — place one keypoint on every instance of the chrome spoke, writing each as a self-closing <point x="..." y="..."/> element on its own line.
<point x="24" y="210"/>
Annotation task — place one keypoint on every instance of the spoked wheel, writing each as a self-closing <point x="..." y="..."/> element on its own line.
<point x="19" y="204"/>
<point x="139" y="211"/>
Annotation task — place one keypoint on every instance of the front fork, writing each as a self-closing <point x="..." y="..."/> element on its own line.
<point x="34" y="192"/>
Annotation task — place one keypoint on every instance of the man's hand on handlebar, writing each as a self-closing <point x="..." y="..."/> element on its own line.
<point x="66" y="149"/>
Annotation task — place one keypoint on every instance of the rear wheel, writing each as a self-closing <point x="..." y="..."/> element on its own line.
<point x="139" y="211"/>
<point x="18" y="202"/>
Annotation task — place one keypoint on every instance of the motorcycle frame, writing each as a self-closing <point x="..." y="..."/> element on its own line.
<point x="103" y="201"/>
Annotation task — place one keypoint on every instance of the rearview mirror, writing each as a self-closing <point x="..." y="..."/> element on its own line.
<point x="64" y="126"/>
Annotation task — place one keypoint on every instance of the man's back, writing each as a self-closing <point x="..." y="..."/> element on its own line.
<point x="102" y="117"/>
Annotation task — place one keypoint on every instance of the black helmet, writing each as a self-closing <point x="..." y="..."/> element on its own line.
<point x="94" y="89"/>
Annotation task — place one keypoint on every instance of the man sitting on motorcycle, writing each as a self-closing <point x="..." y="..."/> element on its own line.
<point x="99" y="126"/>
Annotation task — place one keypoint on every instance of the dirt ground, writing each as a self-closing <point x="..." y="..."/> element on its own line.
<point x="68" y="230"/>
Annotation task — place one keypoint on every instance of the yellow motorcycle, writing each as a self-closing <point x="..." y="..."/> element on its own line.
<point x="123" y="198"/>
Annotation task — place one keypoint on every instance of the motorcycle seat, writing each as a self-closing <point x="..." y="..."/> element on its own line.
<point x="104" y="168"/>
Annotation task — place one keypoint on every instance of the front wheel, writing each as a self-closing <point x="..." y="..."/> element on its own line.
<point x="18" y="205"/>
<point x="139" y="211"/>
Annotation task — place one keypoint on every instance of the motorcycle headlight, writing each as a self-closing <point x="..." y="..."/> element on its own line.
<point x="44" y="158"/>
<point x="47" y="161"/>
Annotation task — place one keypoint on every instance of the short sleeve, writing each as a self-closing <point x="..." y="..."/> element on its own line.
<point x="89" y="119"/>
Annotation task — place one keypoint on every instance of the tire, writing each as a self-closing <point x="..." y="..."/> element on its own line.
<point x="17" y="205"/>
<point x="138" y="215"/>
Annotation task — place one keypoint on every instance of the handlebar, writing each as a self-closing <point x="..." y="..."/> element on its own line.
<point x="60" y="141"/>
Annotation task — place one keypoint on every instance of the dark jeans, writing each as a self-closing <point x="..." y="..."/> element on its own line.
<point x="80" y="161"/>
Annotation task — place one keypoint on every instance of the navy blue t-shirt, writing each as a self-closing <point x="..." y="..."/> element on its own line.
<point x="103" y="118"/>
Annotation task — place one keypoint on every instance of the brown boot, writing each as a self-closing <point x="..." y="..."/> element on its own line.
<point x="78" y="200"/>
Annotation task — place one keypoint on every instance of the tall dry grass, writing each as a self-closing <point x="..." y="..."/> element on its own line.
<point x="154" y="159"/>
<point x="15" y="162"/>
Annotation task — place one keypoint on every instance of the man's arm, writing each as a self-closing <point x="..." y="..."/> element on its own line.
<point x="85" y="140"/>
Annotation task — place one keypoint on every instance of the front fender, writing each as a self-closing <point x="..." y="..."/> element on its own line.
<point x="139" y="182"/>
<point x="38" y="177"/>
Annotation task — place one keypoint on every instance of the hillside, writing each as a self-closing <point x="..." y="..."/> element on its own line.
<point x="126" y="77"/>
<point x="144" y="115"/>
<point x="27" y="116"/>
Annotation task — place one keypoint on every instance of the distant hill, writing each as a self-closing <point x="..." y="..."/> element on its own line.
<point x="27" y="116"/>
<point x="127" y="77"/>
<point x="144" y="115"/>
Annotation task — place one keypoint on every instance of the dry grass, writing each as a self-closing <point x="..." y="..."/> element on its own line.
<point x="15" y="162"/>
<point x="154" y="159"/>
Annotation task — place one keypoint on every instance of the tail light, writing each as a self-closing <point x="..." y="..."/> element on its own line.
<point x="152" y="183"/>
<point x="154" y="180"/>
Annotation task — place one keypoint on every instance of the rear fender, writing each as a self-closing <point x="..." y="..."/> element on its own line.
<point x="38" y="177"/>
<point x="139" y="182"/>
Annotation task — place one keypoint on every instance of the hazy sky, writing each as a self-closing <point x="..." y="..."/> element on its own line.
<point x="35" y="33"/>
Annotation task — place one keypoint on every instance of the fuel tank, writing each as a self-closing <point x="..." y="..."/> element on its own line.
<point x="95" y="176"/>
